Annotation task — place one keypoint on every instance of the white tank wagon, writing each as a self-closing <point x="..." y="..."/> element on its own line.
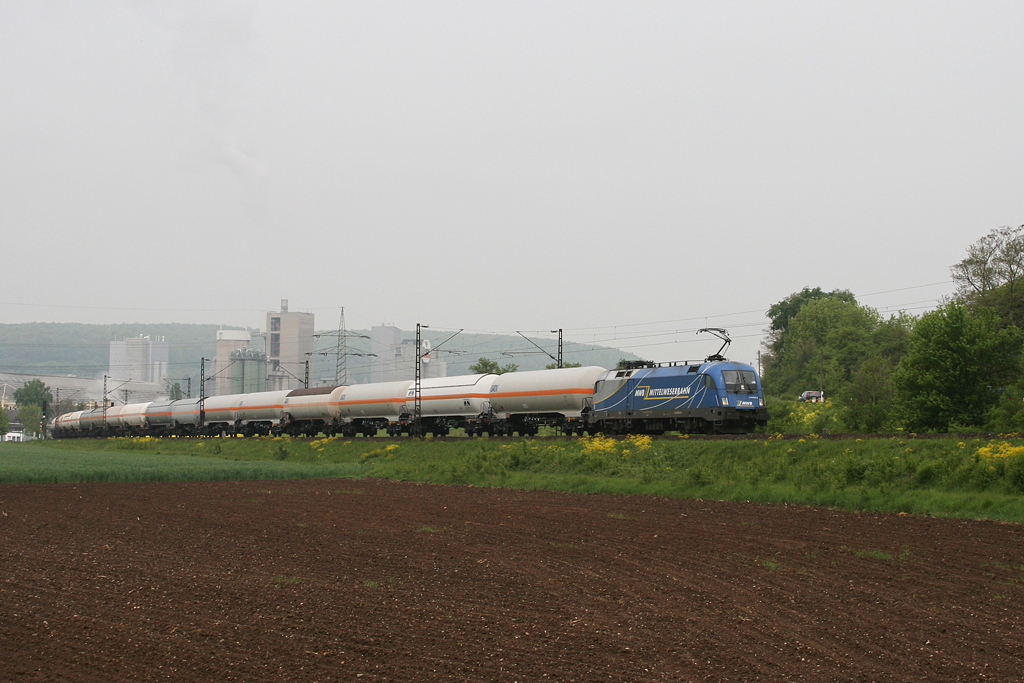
<point x="133" y="418"/>
<point x="261" y="411"/>
<point x="220" y="413"/>
<point x="158" y="417"/>
<point x="522" y="401"/>
<point x="91" y="421"/>
<point x="245" y="414"/>
<point x="98" y="421"/>
<point x="185" y="416"/>
<point x="56" y="427"/>
<point x="67" y="425"/>
<point x="366" y="408"/>
<point x="112" y="420"/>
<point x="450" y="402"/>
<point x="75" y="421"/>
<point x="311" y="411"/>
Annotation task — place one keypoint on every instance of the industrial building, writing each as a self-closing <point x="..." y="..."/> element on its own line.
<point x="290" y="344"/>
<point x="139" y="358"/>
<point x="247" y="372"/>
<point x="234" y="349"/>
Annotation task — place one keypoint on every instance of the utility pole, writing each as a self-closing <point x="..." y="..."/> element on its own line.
<point x="305" y="382"/>
<point x="341" y="351"/>
<point x="104" y="402"/>
<point x="417" y="413"/>
<point x="202" y="392"/>
<point x="558" y="360"/>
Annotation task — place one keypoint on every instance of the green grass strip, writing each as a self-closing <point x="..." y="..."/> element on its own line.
<point x="943" y="477"/>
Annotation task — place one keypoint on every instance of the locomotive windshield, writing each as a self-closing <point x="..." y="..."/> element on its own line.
<point x="740" y="381"/>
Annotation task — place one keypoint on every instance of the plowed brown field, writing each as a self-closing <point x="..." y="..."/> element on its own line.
<point x="339" y="580"/>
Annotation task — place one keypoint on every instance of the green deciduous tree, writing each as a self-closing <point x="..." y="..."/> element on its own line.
<point x="1007" y="415"/>
<point x="33" y="392"/>
<point x="484" y="366"/>
<point x="30" y="415"/>
<point x="784" y="311"/>
<point x="868" y="398"/>
<point x="554" y="366"/>
<point x="990" y="275"/>
<point x="823" y="343"/>
<point x="5" y="422"/>
<point x="958" y="364"/>
<point x="846" y="350"/>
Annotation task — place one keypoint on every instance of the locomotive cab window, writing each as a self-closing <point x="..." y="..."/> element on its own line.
<point x="709" y="382"/>
<point x="740" y="381"/>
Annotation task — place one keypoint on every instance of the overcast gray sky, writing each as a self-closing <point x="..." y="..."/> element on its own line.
<point x="617" y="169"/>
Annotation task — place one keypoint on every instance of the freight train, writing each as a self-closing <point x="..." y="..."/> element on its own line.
<point x="713" y="396"/>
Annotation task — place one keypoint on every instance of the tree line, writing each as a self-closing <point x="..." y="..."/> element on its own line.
<point x="957" y="368"/>
<point x="35" y="404"/>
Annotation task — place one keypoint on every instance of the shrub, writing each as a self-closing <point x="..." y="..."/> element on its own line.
<point x="793" y="417"/>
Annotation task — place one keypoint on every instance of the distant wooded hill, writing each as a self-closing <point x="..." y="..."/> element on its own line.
<point x="84" y="350"/>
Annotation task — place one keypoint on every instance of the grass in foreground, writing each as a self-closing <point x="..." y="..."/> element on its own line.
<point x="946" y="477"/>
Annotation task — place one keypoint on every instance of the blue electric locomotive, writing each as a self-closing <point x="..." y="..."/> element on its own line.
<point x="716" y="396"/>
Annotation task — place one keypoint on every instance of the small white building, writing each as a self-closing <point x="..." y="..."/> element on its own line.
<point x="14" y="436"/>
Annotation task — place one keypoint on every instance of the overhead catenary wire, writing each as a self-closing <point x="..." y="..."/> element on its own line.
<point x="632" y="334"/>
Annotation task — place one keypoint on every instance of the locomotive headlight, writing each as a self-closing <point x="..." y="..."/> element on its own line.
<point x="760" y="402"/>
<point x="725" y="400"/>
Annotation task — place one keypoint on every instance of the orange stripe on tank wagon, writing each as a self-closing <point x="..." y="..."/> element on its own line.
<point x="213" y="410"/>
<point x="549" y="392"/>
<point x="372" y="400"/>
